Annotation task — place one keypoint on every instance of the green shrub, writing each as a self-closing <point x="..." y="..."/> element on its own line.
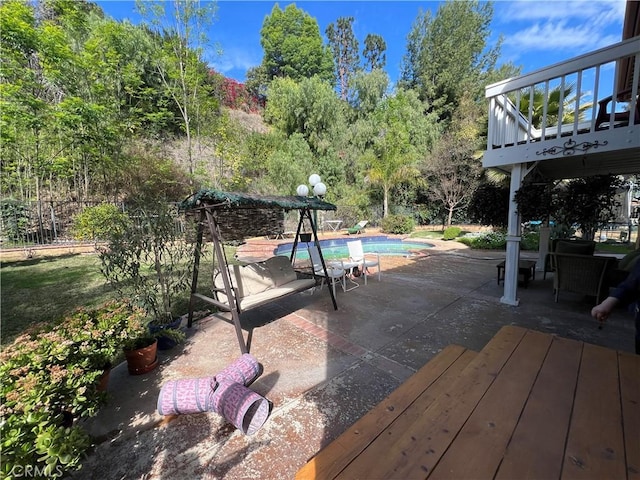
<point x="48" y="377"/>
<point x="451" y="233"/>
<point x="398" y="224"/>
<point x="98" y="223"/>
<point x="498" y="241"/>
<point x="15" y="218"/>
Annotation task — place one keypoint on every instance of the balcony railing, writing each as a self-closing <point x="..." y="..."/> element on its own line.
<point x="580" y="96"/>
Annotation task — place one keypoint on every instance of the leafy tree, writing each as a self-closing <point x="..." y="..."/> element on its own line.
<point x="489" y="205"/>
<point x="309" y="107"/>
<point x="453" y="168"/>
<point x="367" y="90"/>
<point x="391" y="159"/>
<point x="179" y="62"/>
<point x="374" y="52"/>
<point x="344" y="46"/>
<point x="555" y="97"/>
<point x="293" y="48"/>
<point x="589" y="202"/>
<point x="447" y="55"/>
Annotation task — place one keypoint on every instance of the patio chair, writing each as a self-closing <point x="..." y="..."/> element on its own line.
<point x="566" y="245"/>
<point x="335" y="270"/>
<point x="357" y="228"/>
<point x="584" y="274"/>
<point x="366" y="260"/>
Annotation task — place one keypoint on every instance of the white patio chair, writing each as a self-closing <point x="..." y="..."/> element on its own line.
<point x="335" y="270"/>
<point x="366" y="260"/>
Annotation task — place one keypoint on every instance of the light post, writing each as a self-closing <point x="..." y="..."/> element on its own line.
<point x="319" y="190"/>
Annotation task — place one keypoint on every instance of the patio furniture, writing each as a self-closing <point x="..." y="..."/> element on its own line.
<point x="357" y="228"/>
<point x="334" y="273"/>
<point x="236" y="216"/>
<point x="622" y="268"/>
<point x="620" y="117"/>
<point x="365" y="260"/>
<point x="258" y="283"/>
<point x="523" y="407"/>
<point x="334" y="225"/>
<point x="526" y="268"/>
<point x="584" y="274"/>
<point x="566" y="245"/>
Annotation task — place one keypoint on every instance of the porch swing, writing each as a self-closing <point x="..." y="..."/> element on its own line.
<point x="231" y="216"/>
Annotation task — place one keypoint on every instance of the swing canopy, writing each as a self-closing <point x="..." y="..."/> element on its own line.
<point x="244" y="215"/>
<point x="217" y="199"/>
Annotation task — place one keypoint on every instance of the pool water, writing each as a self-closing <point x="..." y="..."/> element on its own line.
<point x="337" y="247"/>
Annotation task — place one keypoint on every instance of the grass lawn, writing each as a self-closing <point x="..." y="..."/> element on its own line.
<point x="45" y="289"/>
<point x="48" y="288"/>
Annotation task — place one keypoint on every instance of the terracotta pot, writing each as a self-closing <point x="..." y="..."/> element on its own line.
<point x="142" y="360"/>
<point x="103" y="380"/>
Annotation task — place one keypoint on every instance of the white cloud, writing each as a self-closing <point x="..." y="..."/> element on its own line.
<point x="234" y="58"/>
<point x="571" y="27"/>
<point x="531" y="10"/>
<point x="559" y="36"/>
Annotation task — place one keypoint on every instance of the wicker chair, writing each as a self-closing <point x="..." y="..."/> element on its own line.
<point x="566" y="245"/>
<point x="584" y="274"/>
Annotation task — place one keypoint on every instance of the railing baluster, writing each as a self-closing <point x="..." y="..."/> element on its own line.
<point x="560" y="119"/>
<point x="633" y="106"/>
<point x="594" y="110"/>
<point x="576" y="108"/>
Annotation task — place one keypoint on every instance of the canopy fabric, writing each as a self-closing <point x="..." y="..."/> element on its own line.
<point x="216" y="199"/>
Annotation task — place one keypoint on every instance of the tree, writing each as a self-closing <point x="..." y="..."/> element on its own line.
<point x="367" y="89"/>
<point x="447" y="56"/>
<point x="293" y="48"/>
<point x="489" y="205"/>
<point x="556" y="96"/>
<point x="374" y="52"/>
<point x="309" y="107"/>
<point x="391" y="159"/>
<point x="344" y="46"/>
<point x="454" y="168"/>
<point x="589" y="202"/>
<point x="181" y="36"/>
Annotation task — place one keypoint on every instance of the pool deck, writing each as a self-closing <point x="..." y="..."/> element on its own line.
<point x="323" y="369"/>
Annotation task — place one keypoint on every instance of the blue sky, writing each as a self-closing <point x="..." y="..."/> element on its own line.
<point x="535" y="33"/>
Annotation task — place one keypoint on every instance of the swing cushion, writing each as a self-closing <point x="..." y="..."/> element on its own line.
<point x="260" y="282"/>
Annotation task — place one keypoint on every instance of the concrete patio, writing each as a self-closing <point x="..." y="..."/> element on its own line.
<point x="323" y="369"/>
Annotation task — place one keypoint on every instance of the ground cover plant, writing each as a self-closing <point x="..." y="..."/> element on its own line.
<point x="49" y="377"/>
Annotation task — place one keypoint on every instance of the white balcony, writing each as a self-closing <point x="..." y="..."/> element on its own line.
<point x="603" y="138"/>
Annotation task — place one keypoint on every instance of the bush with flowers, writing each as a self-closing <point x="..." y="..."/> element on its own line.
<point x="49" y="376"/>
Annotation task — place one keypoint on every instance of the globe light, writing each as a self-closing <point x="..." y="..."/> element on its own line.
<point x="302" y="190"/>
<point x="314" y="178"/>
<point x="319" y="189"/>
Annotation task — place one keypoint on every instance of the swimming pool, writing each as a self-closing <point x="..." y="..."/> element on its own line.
<point x="337" y="247"/>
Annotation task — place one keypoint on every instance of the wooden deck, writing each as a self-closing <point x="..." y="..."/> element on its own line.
<point x="529" y="405"/>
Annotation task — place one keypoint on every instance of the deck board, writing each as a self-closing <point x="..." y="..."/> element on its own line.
<point x="529" y="405"/>
<point x="494" y="419"/>
<point x="545" y="419"/>
<point x="423" y="387"/>
<point x="630" y="400"/>
<point x="595" y="446"/>
<point x="410" y="448"/>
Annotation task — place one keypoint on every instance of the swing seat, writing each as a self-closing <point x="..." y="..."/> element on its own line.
<point x="258" y="283"/>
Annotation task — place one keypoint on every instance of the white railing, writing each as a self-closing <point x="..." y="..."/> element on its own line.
<point x="588" y="80"/>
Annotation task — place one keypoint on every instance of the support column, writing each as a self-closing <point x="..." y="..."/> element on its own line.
<point x="513" y="241"/>
<point x="543" y="248"/>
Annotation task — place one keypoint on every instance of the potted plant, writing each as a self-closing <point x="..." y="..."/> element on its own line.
<point x="149" y="260"/>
